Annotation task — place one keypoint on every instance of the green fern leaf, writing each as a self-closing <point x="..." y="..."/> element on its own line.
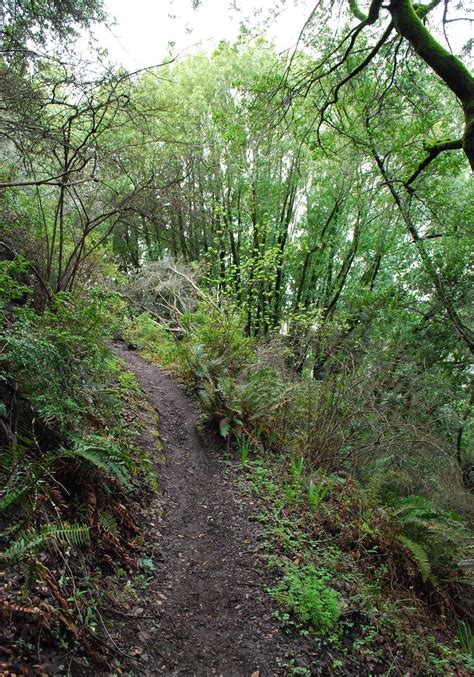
<point x="419" y="554"/>
<point x="12" y="496"/>
<point x="107" y="522"/>
<point x="102" y="459"/>
<point x="30" y="541"/>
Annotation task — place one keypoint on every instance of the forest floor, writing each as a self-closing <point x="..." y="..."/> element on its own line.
<point x="205" y="611"/>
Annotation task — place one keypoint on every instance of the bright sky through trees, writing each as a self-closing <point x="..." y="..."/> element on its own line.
<point x="145" y="30"/>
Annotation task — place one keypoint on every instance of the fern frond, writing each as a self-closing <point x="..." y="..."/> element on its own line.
<point x="109" y="459"/>
<point x="29" y="541"/>
<point x="98" y="458"/>
<point x="12" y="496"/>
<point x="108" y="522"/>
<point x="72" y="534"/>
<point x="374" y="486"/>
<point x="419" y="554"/>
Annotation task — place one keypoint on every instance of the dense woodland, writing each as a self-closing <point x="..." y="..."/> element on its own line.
<point x="290" y="235"/>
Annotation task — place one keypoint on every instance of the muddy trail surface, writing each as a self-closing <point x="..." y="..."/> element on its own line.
<point x="206" y="611"/>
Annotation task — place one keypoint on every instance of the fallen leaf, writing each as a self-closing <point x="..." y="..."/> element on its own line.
<point x="137" y="612"/>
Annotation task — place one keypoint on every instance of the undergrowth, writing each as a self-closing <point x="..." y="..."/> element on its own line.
<point x="69" y="468"/>
<point x="304" y="592"/>
<point x="346" y="581"/>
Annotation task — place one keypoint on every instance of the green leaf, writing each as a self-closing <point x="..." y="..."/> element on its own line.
<point x="224" y="427"/>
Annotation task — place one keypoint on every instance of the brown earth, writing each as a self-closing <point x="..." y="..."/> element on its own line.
<point x="206" y="611"/>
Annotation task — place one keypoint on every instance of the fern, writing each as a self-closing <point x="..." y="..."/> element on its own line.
<point x="103" y="455"/>
<point x="374" y="486"/>
<point x="72" y="534"/>
<point x="29" y="541"/>
<point x="107" y="522"/>
<point x="420" y="556"/>
<point x="12" y="495"/>
<point x="436" y="538"/>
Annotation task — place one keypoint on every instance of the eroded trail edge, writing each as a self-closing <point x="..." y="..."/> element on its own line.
<point x="208" y="610"/>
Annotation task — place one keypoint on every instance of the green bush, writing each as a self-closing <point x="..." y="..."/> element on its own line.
<point x="305" y="593"/>
<point x="56" y="362"/>
<point x="214" y="344"/>
<point x="61" y="433"/>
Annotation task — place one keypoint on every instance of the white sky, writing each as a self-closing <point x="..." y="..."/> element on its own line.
<point x="147" y="30"/>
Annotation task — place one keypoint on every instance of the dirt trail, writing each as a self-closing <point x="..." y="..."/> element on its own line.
<point x="215" y="618"/>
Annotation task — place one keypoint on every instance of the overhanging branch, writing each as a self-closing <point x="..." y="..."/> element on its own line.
<point x="433" y="150"/>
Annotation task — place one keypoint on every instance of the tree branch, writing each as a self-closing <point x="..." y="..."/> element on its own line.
<point x="433" y="151"/>
<point x="448" y="67"/>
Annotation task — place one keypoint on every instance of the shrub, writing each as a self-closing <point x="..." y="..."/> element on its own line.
<point x="305" y="593"/>
<point x="55" y="362"/>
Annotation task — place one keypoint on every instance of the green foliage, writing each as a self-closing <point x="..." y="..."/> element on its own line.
<point x="26" y="543"/>
<point x="35" y="21"/>
<point x="108" y="522"/>
<point x="245" y="446"/>
<point x="11" y="496"/>
<point x="65" y="453"/>
<point x="296" y="468"/>
<point x="318" y="492"/>
<point x="61" y="347"/>
<point x="437" y="539"/>
<point x="103" y="454"/>
<point x="420" y="556"/>
<point x="305" y="593"/>
<point x="153" y="339"/>
<point x="11" y="289"/>
<point x="127" y="384"/>
<point x="466" y="637"/>
<point x="379" y="607"/>
<point x="214" y="345"/>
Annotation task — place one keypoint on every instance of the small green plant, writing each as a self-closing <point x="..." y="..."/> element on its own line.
<point x="305" y="593"/>
<point x="31" y="540"/>
<point x="147" y="565"/>
<point x="244" y="449"/>
<point x="296" y="467"/>
<point x="465" y="637"/>
<point x="289" y="492"/>
<point x="295" y="670"/>
<point x="318" y="492"/>
<point x="127" y="384"/>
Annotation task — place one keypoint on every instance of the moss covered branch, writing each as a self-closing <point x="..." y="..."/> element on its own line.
<point x="447" y="66"/>
<point x="432" y="152"/>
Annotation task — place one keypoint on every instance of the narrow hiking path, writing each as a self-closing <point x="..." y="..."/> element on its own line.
<point x="207" y="610"/>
